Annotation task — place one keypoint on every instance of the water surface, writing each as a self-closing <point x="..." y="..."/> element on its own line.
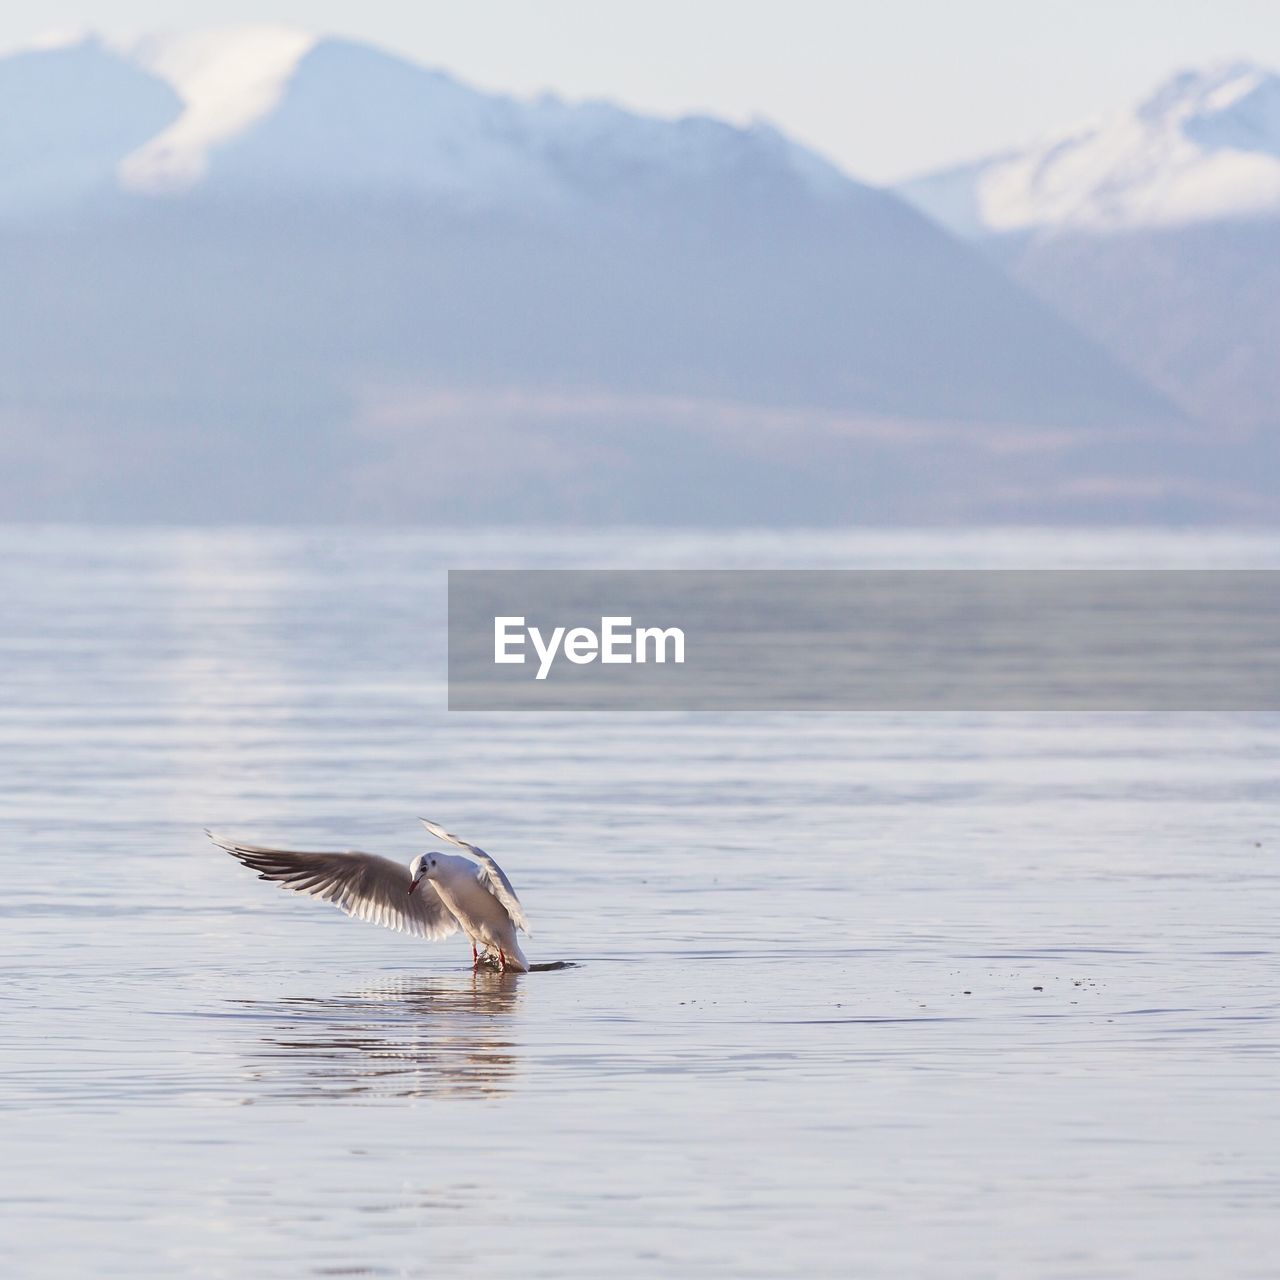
<point x="865" y="995"/>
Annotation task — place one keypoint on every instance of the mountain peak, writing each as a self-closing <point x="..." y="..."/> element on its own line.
<point x="1204" y="146"/>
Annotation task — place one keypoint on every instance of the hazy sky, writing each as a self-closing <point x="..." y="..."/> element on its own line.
<point x="887" y="89"/>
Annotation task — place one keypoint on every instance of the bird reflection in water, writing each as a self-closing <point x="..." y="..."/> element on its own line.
<point x="410" y="1038"/>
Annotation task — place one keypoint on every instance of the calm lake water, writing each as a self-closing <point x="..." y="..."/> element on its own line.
<point x="875" y="996"/>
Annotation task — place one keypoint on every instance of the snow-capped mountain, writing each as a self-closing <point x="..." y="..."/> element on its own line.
<point x="1156" y="232"/>
<point x="260" y="274"/>
<point x="1204" y="147"/>
<point x="276" y="109"/>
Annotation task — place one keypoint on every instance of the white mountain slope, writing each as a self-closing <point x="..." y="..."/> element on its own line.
<point x="226" y="80"/>
<point x="1204" y="147"/>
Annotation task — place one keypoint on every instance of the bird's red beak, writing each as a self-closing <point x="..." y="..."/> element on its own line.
<point x="413" y="884"/>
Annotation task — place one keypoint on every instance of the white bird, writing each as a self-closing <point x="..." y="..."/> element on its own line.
<point x="439" y="894"/>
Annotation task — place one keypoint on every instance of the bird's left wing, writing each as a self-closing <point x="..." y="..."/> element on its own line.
<point x="492" y="875"/>
<point x="363" y="885"/>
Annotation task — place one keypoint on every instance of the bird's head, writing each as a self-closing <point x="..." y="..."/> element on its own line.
<point x="423" y="867"/>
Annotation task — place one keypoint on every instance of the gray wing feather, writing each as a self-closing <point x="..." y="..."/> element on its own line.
<point x="361" y="884"/>
<point x="491" y="875"/>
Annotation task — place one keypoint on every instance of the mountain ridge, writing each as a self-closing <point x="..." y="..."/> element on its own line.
<point x="228" y="87"/>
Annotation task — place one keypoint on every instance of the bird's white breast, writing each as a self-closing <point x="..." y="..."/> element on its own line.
<point x="476" y="909"/>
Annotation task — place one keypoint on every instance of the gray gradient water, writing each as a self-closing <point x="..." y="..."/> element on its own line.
<point x="875" y="996"/>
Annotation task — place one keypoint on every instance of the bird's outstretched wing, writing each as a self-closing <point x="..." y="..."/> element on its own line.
<point x="362" y="884"/>
<point x="492" y="875"/>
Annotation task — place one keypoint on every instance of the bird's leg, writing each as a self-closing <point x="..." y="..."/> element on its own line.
<point x="502" y="959"/>
<point x="475" y="955"/>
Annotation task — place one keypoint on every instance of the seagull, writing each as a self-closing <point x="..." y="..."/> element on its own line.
<point x="439" y="894"/>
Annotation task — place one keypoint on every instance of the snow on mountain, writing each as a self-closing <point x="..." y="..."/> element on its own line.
<point x="226" y="79"/>
<point x="1204" y="147"/>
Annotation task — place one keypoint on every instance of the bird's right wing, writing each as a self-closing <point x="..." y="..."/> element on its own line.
<point x="361" y="884"/>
